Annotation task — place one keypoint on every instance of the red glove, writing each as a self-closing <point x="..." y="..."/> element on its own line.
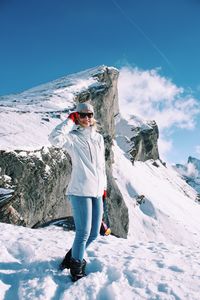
<point x="104" y="195"/>
<point x="74" y="117"/>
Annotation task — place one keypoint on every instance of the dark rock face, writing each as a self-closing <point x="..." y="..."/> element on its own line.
<point x="138" y="139"/>
<point x="145" y="142"/>
<point x="104" y="97"/>
<point x="39" y="179"/>
<point x="118" y="211"/>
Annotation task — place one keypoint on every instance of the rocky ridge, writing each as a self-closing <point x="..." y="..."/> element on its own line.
<point x="190" y="172"/>
<point x="40" y="176"/>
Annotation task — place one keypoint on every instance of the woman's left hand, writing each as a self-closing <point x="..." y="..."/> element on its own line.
<point x="104" y="195"/>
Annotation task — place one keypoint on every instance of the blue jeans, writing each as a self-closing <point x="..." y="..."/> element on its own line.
<point x="87" y="213"/>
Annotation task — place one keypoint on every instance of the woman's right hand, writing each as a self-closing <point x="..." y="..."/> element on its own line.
<point x="74" y="117"/>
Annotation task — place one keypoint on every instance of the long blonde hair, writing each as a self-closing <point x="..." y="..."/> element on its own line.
<point x="97" y="127"/>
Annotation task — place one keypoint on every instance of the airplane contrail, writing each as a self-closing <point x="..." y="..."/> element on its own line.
<point x="144" y="34"/>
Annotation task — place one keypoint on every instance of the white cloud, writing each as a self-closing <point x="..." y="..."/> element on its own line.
<point x="191" y="170"/>
<point x="197" y="149"/>
<point x="149" y="95"/>
<point x="164" y="146"/>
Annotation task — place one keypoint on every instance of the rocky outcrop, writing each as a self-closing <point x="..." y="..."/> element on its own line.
<point x="40" y="177"/>
<point x="137" y="138"/>
<point x="144" y="141"/>
<point x="117" y="209"/>
<point x="104" y="98"/>
<point x="190" y="172"/>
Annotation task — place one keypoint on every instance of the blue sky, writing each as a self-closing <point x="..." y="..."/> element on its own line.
<point x="42" y="40"/>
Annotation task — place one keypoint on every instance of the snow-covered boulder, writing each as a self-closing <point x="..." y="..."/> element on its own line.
<point x="39" y="178"/>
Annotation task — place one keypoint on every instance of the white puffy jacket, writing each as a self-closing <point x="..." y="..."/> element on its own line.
<point x="86" y="149"/>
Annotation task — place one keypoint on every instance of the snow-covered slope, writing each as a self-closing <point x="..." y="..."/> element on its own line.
<point x="27" y="118"/>
<point x="169" y="212"/>
<point x="159" y="259"/>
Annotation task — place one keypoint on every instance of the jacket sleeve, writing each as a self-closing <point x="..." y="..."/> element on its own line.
<point x="60" y="136"/>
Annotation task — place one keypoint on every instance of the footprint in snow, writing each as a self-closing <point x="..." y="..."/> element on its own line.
<point x="94" y="265"/>
<point x="176" y="269"/>
<point x="113" y="274"/>
<point x="159" y="263"/>
<point x="132" y="278"/>
<point x="163" y="287"/>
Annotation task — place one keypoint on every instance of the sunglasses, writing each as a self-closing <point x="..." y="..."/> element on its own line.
<point x="83" y="115"/>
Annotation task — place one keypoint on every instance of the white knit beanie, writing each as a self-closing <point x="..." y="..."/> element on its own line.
<point x="84" y="106"/>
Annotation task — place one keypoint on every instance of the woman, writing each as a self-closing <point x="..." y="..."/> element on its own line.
<point x="85" y="146"/>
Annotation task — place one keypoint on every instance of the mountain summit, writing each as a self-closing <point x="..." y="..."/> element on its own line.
<point x="190" y="172"/>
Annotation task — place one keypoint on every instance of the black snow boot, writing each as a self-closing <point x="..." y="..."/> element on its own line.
<point x="65" y="264"/>
<point x="84" y="263"/>
<point x="77" y="269"/>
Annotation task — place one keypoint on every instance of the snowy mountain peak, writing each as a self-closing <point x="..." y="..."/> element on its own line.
<point x="55" y="95"/>
<point x="32" y="114"/>
<point x="195" y="162"/>
<point x="190" y="172"/>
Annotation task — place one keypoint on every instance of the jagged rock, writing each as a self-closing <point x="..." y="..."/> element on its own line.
<point x="190" y="172"/>
<point x="104" y="98"/>
<point x="195" y="162"/>
<point x="145" y="142"/>
<point x="118" y="211"/>
<point x="198" y="198"/>
<point x="137" y="138"/>
<point x="39" y="178"/>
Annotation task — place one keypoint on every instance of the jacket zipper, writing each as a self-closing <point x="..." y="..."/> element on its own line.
<point x="90" y="151"/>
<point x="97" y="170"/>
<point x="96" y="164"/>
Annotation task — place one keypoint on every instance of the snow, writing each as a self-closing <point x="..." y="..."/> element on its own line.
<point x="4" y="192"/>
<point x="117" y="268"/>
<point x="33" y="114"/>
<point x="159" y="260"/>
